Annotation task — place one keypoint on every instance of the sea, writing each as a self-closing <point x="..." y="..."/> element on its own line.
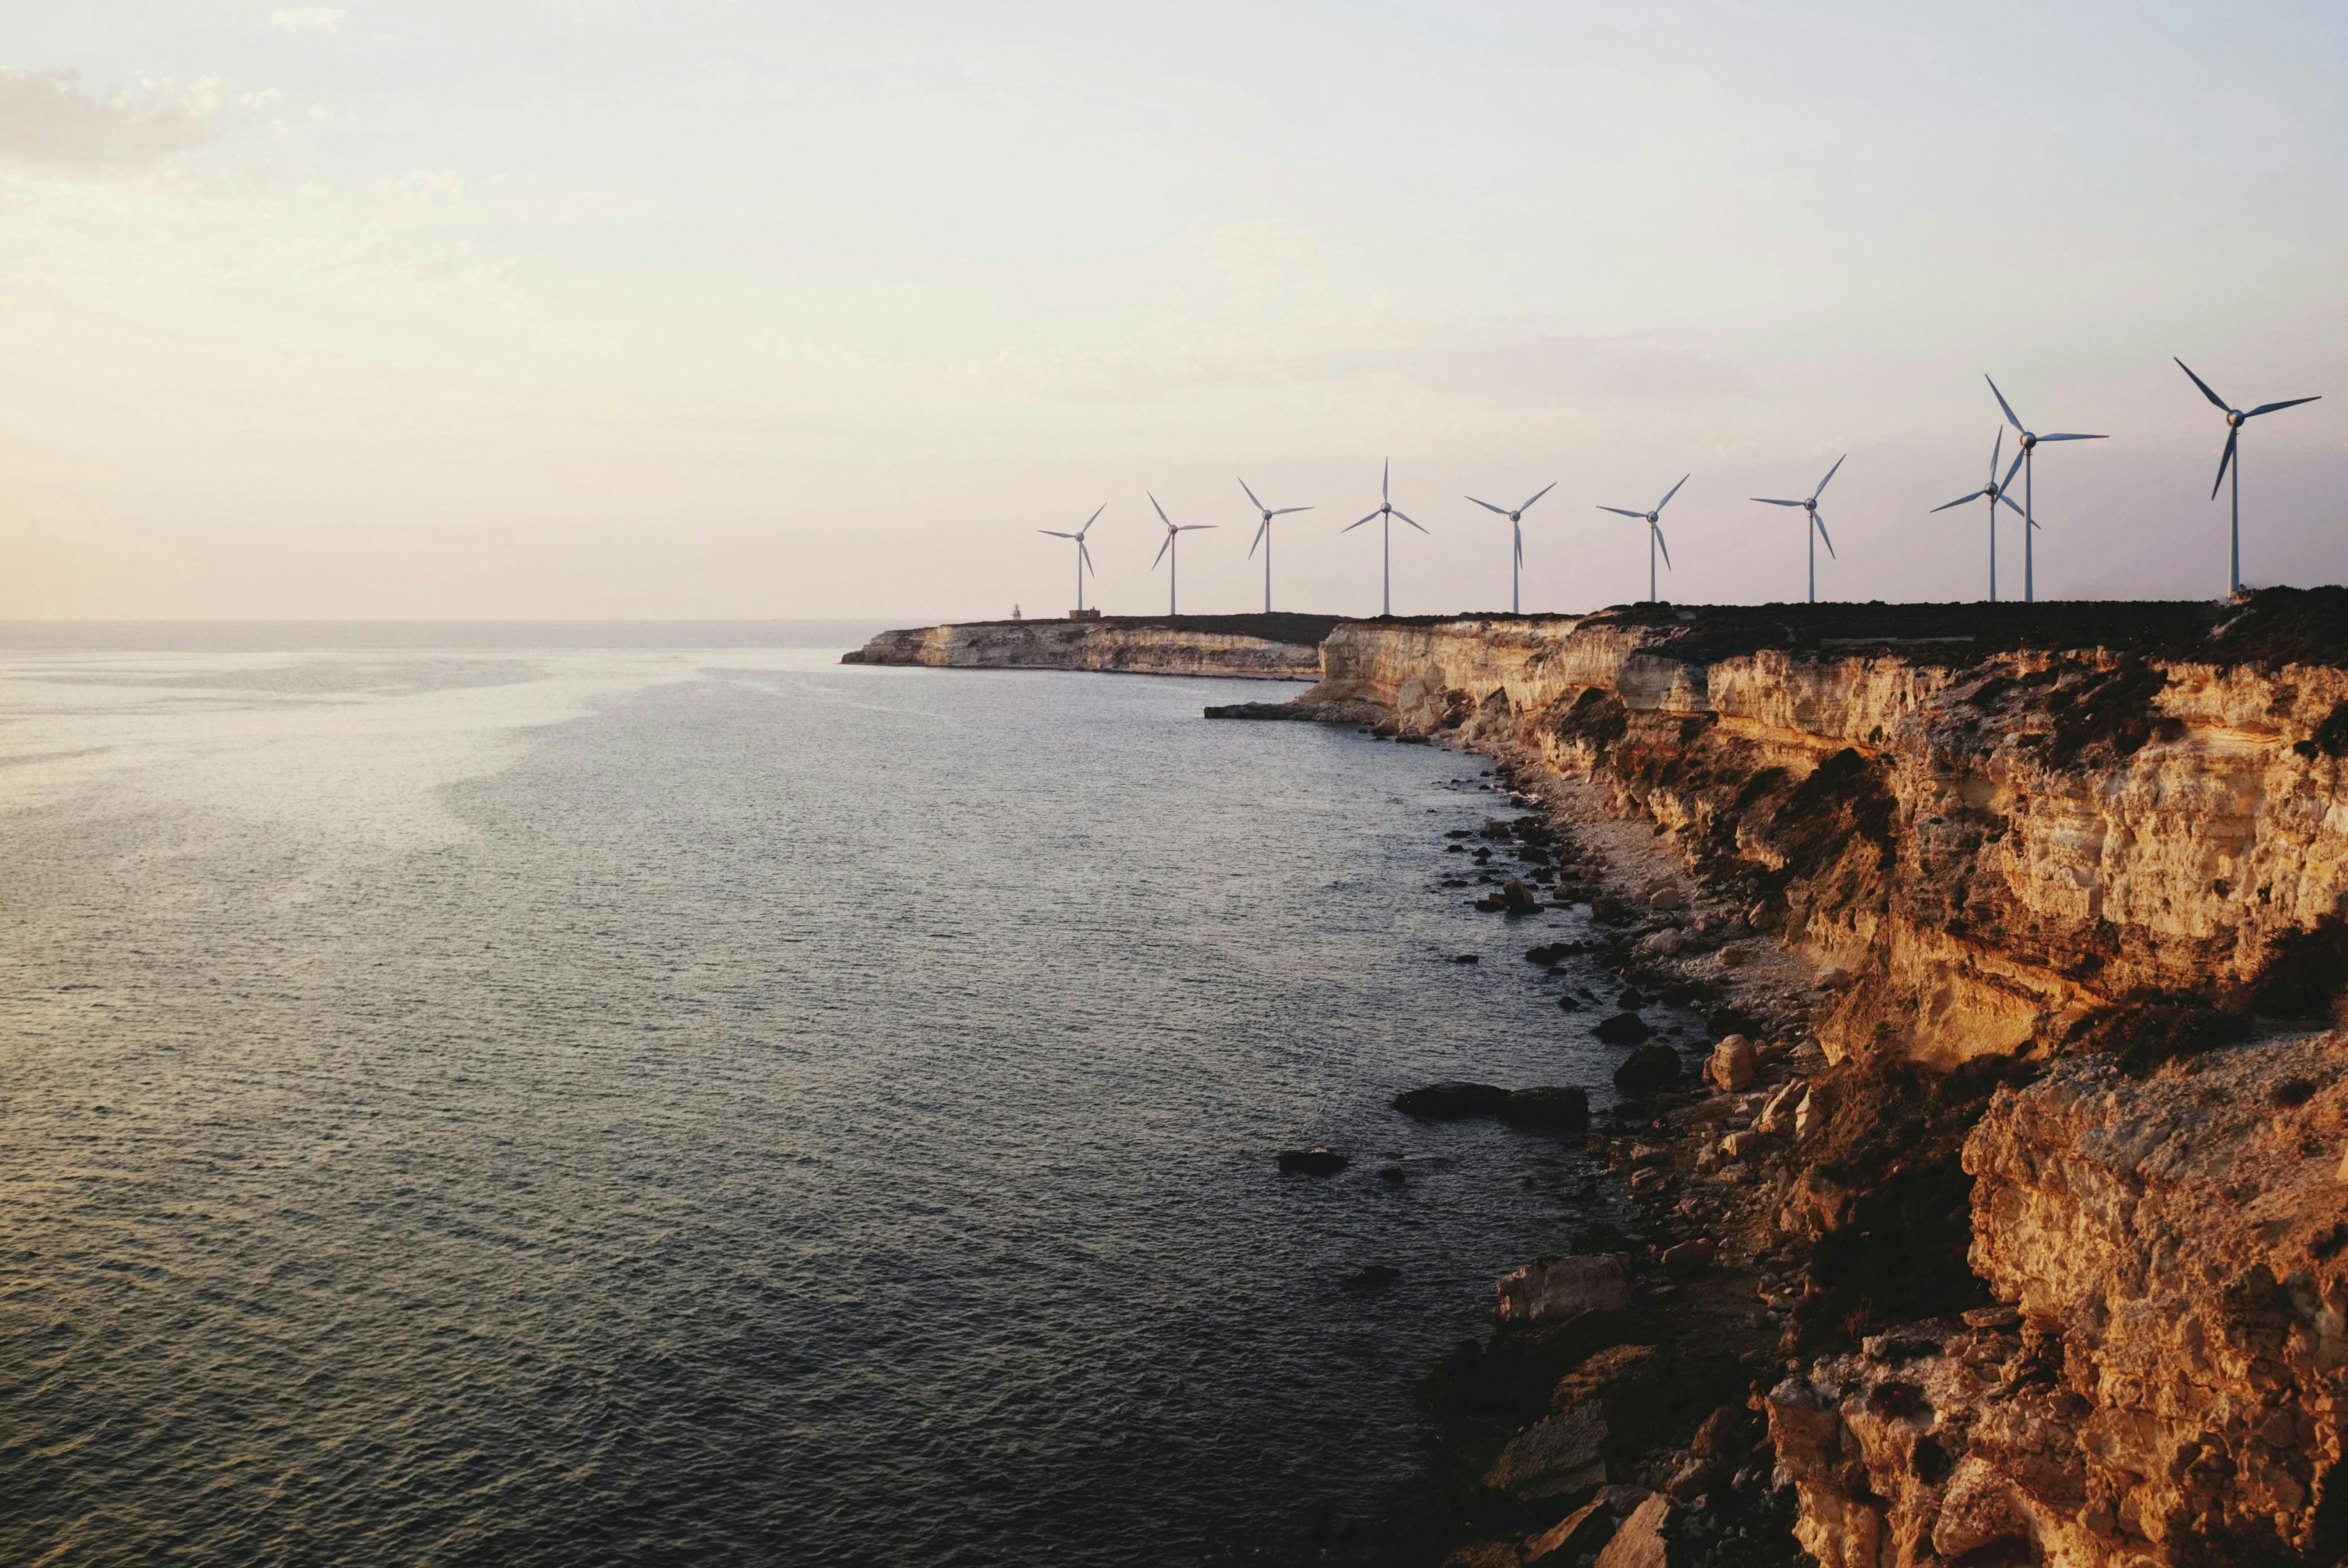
<point x="541" y="1094"/>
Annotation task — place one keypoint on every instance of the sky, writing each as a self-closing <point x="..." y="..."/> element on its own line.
<point x="596" y="309"/>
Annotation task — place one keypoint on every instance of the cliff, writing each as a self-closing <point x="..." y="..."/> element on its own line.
<point x="2039" y="1191"/>
<point x="1248" y="647"/>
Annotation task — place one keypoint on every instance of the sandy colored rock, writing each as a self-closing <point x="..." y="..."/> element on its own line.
<point x="1639" y="1542"/>
<point x="1563" y="1287"/>
<point x="1732" y="1066"/>
<point x="1557" y="1456"/>
<point x="1586" y="1530"/>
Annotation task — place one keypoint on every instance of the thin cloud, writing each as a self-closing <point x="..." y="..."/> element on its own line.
<point x="307" y="20"/>
<point x="49" y="122"/>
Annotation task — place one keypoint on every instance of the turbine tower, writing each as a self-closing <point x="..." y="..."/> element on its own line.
<point x="1996" y="491"/>
<point x="1516" y="528"/>
<point x="1164" y="550"/>
<point x="1386" y="510"/>
<point x="1263" y="537"/>
<point x="2234" y="417"/>
<point x="2029" y="464"/>
<point x="1655" y="533"/>
<point x="1817" y="529"/>
<point x="1084" y="556"/>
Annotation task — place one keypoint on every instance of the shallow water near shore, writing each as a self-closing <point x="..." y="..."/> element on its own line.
<point x="709" y="1105"/>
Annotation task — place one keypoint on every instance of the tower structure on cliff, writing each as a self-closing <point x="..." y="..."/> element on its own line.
<point x="1655" y="521"/>
<point x="1084" y="556"/>
<point x="1388" y="511"/>
<point x="1263" y="537"/>
<point x="1996" y="491"/>
<point x="1816" y="528"/>
<point x="2229" y="458"/>
<point x="1517" y="534"/>
<point x="1166" y="551"/>
<point x="2030" y="441"/>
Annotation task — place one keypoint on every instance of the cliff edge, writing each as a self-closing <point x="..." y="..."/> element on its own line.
<point x="1279" y="646"/>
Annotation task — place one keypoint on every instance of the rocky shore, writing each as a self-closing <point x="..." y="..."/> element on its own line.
<point x="2001" y="1217"/>
<point x="1242" y="647"/>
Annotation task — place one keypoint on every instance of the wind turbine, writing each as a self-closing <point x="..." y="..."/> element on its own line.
<point x="1817" y="529"/>
<point x="1515" y="527"/>
<point x="1172" y="529"/>
<point x="1996" y="492"/>
<point x="1084" y="556"/>
<point x="2029" y="521"/>
<point x="1263" y="537"/>
<point x="1655" y="532"/>
<point x="1386" y="510"/>
<point x="2234" y="417"/>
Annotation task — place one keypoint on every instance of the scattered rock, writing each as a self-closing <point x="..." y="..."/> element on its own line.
<point x="1372" y="1277"/>
<point x="1666" y="900"/>
<point x="1810" y="1114"/>
<point x="1647" y="1069"/>
<point x="1547" y="1107"/>
<point x="1731" y="958"/>
<point x="1572" y="1003"/>
<point x="1777" y="1112"/>
<point x="1517" y="898"/>
<point x="1467" y="958"/>
<point x="1584" y="1531"/>
<point x="1485" y="1554"/>
<point x="1639" y="1543"/>
<point x="1451" y="1100"/>
<point x="1991" y="1318"/>
<point x="1689" y="1256"/>
<point x="1623" y="1029"/>
<point x="1312" y="1162"/>
<point x="1552" y="1289"/>
<point x="1732" y="1065"/>
<point x="1744" y="1145"/>
<point x="1557" y="1456"/>
<point x="1393" y="1176"/>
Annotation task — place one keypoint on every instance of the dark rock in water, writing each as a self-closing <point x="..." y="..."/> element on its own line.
<point x="1254" y="711"/>
<point x="1651" y="1067"/>
<point x="1491" y="903"/>
<point x="1393" y="1176"/>
<point x="1593" y="1239"/>
<point x="1570" y="1003"/>
<point x="1467" y="958"/>
<point x="1447" y="1102"/>
<point x="1375" y="1277"/>
<point x="1547" y="1107"/>
<point x="1519" y="897"/>
<point x="1630" y="1001"/>
<point x="1312" y="1162"/>
<point x="1623" y="1029"/>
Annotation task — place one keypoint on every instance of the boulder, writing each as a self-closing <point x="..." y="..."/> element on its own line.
<point x="1648" y="1069"/>
<point x="1689" y="1256"/>
<point x="1623" y="1029"/>
<point x="1639" y="1542"/>
<point x="1451" y="1100"/>
<point x="1576" y="1535"/>
<point x="1666" y="898"/>
<point x="1732" y="1065"/>
<point x="1810" y="1114"/>
<point x="1547" y="1107"/>
<point x="1556" y="1288"/>
<point x="1312" y="1162"/>
<point x="1485" y="1555"/>
<point x="1630" y="999"/>
<point x="1572" y="1003"/>
<point x="1557" y="1456"/>
<point x="1517" y="898"/>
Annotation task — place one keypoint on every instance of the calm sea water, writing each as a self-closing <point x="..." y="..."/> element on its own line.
<point x="526" y="1104"/>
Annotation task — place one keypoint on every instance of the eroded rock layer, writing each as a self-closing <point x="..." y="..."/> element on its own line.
<point x="1248" y="647"/>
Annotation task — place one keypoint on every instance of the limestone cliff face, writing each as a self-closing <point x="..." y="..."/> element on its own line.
<point x="1991" y="844"/>
<point x="1126" y="646"/>
<point x="2171" y="1387"/>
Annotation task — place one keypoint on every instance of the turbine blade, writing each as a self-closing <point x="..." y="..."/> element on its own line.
<point x="1824" y="535"/>
<point x="2011" y="472"/>
<point x="2003" y="404"/>
<point x="1544" y="490"/>
<point x="2044" y="439"/>
<point x="1672" y="491"/>
<point x="1285" y="510"/>
<point x="1830" y="478"/>
<point x="1162" y="549"/>
<point x="2007" y="501"/>
<point x="1261" y="529"/>
<point x="1251" y="494"/>
<point x="1961" y="500"/>
<point x="1405" y="518"/>
<point x="1385" y="476"/>
<point x="1161" y="511"/>
<point x="1767" y="501"/>
<point x="2270" y="407"/>
<point x="1193" y="527"/>
<point x="1664" y="543"/>
<point x="1058" y="534"/>
<point x="1624" y="512"/>
<point x="1091" y="520"/>
<point x="2204" y="385"/>
<point x="1521" y="545"/>
<point x="1349" y="527"/>
<point x="1997" y="449"/>
<point x="1490" y="508"/>
<point x="2228" y="456"/>
<point x="1086" y="556"/>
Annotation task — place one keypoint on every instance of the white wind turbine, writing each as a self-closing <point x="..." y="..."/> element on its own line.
<point x="1084" y="556"/>
<point x="1386" y="510"/>
<point x="2234" y="417"/>
<point x="1263" y="537"/>
<point x="1817" y="529"/>
<point x="1996" y="491"/>
<point x="1172" y="529"/>
<point x="1655" y="532"/>
<point x="1516" y="528"/>
<point x="2029" y="521"/>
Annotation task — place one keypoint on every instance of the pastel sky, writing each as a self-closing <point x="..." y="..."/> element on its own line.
<point x="588" y="308"/>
